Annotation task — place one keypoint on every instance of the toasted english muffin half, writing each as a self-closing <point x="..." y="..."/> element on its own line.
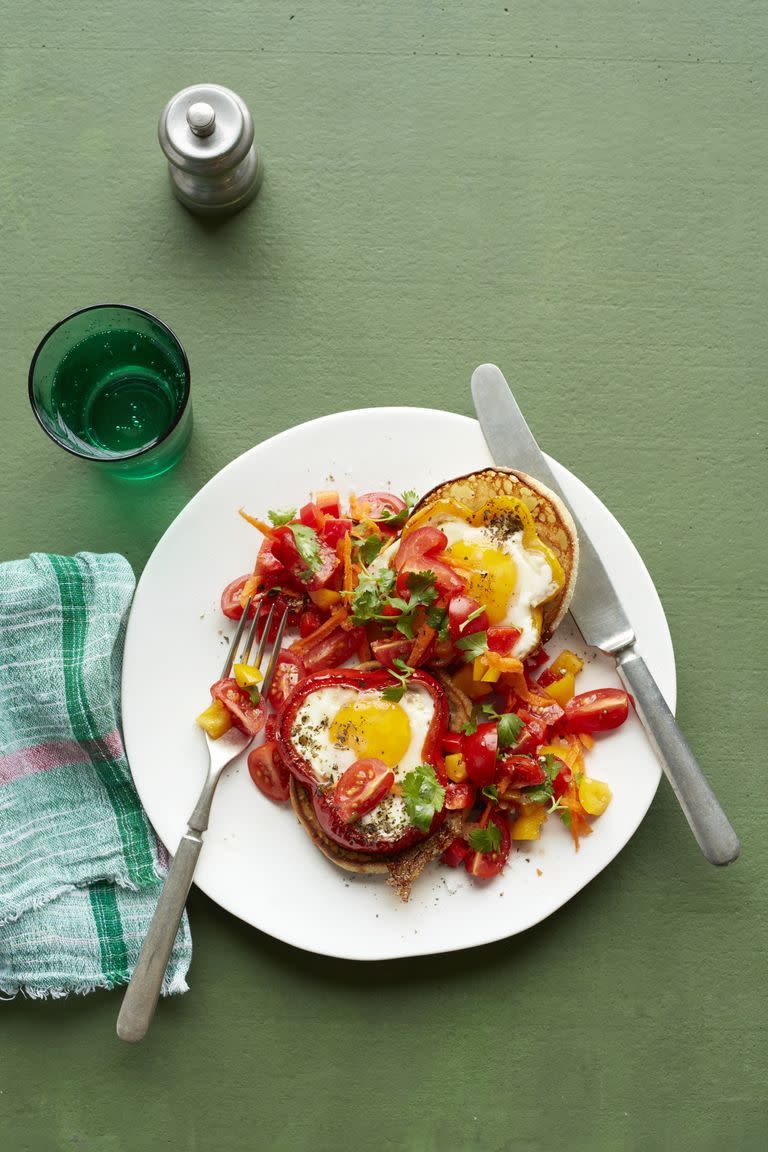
<point x="402" y="869"/>
<point x="554" y="523"/>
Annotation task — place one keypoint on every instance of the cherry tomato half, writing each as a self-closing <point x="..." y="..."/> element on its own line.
<point x="459" y="796"/>
<point x="479" y="753"/>
<point x="389" y="650"/>
<point x="268" y="772"/>
<point x="246" y="715"/>
<point x="418" y="553"/>
<point x="460" y="608"/>
<point x="310" y="620"/>
<point x="520" y="771"/>
<point x="361" y="788"/>
<point x="333" y="650"/>
<point x="289" y="670"/>
<point x="596" y="711"/>
<point x="484" y="865"/>
<point x="230" y="599"/>
<point x="383" y="506"/>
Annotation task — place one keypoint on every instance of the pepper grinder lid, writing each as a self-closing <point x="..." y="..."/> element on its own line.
<point x="205" y="129"/>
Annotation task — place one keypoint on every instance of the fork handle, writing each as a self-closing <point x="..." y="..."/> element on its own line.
<point x="141" y="995"/>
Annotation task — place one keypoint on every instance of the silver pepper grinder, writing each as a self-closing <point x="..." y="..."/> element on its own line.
<point x="206" y="132"/>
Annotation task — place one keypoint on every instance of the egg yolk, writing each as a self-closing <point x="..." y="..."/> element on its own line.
<point x="372" y="727"/>
<point x="491" y="576"/>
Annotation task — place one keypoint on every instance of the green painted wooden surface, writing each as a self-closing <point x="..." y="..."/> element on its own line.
<point x="578" y="192"/>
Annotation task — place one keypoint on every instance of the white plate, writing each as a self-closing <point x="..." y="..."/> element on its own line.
<point x="257" y="862"/>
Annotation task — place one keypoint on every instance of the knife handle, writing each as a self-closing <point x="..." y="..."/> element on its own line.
<point x="708" y="821"/>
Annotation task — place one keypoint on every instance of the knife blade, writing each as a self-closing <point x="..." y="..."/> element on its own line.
<point x="601" y="619"/>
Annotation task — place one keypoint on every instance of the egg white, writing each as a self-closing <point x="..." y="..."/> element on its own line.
<point x="310" y="737"/>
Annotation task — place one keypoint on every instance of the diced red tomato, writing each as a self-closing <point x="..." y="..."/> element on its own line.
<point x="535" y="660"/>
<point x="452" y="742"/>
<point x="334" y="529"/>
<point x="268" y="772"/>
<point x="328" y="503"/>
<point x="484" y="865"/>
<point x="271" y="726"/>
<point x="285" y="549"/>
<point x="460" y="608"/>
<point x="230" y="599"/>
<point x="311" y="515"/>
<point x="456" y="853"/>
<point x="520" y="771"/>
<point x="310" y="620"/>
<point x="246" y="715"/>
<point x="383" y="505"/>
<point x="596" y="711"/>
<point x="459" y="796"/>
<point x="503" y="640"/>
<point x="290" y="669"/>
<point x="270" y="573"/>
<point x="419" y="552"/>
<point x="562" y="781"/>
<point x="362" y="788"/>
<point x="534" y="733"/>
<point x="333" y="650"/>
<point x="479" y="751"/>
<point x="386" y="651"/>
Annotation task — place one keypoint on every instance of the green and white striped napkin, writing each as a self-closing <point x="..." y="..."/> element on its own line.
<point x="80" y="867"/>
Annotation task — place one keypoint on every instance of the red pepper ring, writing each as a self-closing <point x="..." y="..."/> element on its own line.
<point x="351" y="835"/>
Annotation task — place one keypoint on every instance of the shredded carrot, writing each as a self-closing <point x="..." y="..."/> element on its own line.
<point x="265" y="529"/>
<point x="502" y="663"/>
<point x="421" y="644"/>
<point x="396" y="790"/>
<point x="249" y="588"/>
<point x="516" y="680"/>
<point x="320" y="633"/>
<point x="349" y="574"/>
<point x="587" y="739"/>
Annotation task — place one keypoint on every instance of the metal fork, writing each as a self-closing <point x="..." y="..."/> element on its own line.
<point x="142" y="993"/>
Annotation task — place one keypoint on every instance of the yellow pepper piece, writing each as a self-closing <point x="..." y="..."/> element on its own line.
<point x="567" y="662"/>
<point x="324" y="597"/>
<point x="466" y="683"/>
<point x="528" y="824"/>
<point x="432" y="511"/>
<point x="481" y="671"/>
<point x="562" y="690"/>
<point x="455" y="767"/>
<point x="594" y="796"/>
<point x="216" y="720"/>
<point x="247" y="675"/>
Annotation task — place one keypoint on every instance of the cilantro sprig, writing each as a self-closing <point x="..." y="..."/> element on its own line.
<point x="371" y="594"/>
<point x="402" y="673"/>
<point x="369" y="548"/>
<point x="423" y="795"/>
<point x="473" y="645"/>
<point x="397" y="519"/>
<point x="509" y="728"/>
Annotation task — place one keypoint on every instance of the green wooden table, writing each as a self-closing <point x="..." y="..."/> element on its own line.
<point x="578" y="192"/>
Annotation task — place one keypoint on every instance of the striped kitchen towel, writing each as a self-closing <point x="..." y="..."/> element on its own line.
<point x="80" y="868"/>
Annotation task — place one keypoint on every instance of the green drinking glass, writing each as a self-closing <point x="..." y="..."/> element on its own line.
<point x="110" y="383"/>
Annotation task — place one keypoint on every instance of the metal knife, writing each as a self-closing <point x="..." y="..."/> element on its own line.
<point x="603" y="623"/>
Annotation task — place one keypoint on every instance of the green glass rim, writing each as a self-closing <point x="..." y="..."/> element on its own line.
<point x="127" y="455"/>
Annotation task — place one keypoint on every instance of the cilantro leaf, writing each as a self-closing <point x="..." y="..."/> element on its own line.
<point x="437" y="618"/>
<point x="254" y="694"/>
<point x="396" y="519"/>
<point x="510" y="728"/>
<point x="423" y="796"/>
<point x="566" y="818"/>
<point x="368" y="549"/>
<point x="421" y="586"/>
<point x="308" y="546"/>
<point x="402" y="673"/>
<point x="470" y="727"/>
<point x="486" y="839"/>
<point x="539" y="794"/>
<point x="473" y="645"/>
<point x="551" y="766"/>
<point x="491" y="792"/>
<point x="281" y="516"/>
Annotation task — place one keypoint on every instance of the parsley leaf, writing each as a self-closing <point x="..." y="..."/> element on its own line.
<point x="423" y="796"/>
<point x="473" y="645"/>
<point x="368" y="549"/>
<point x="510" y="728"/>
<point x="308" y="546"/>
<point x="486" y="839"/>
<point x="491" y="792"/>
<point x="394" y="692"/>
<point x="281" y="516"/>
<point x="370" y="595"/>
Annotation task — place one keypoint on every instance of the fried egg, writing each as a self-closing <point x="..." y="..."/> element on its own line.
<point x="335" y="726"/>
